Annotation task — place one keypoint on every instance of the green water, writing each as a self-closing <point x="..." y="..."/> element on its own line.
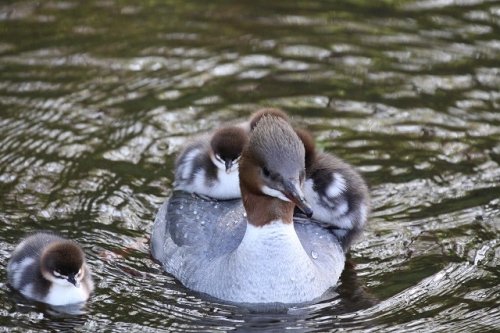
<point x="96" y="98"/>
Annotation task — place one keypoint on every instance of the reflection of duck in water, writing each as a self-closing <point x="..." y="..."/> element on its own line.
<point x="50" y="269"/>
<point x="265" y="257"/>
<point x="209" y="165"/>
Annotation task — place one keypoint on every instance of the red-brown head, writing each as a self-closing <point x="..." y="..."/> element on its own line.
<point x="272" y="171"/>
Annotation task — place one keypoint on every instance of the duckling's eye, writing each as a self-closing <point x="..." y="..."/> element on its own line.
<point x="266" y="172"/>
<point x="58" y="274"/>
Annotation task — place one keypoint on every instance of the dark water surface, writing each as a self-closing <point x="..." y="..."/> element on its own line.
<point x="96" y="97"/>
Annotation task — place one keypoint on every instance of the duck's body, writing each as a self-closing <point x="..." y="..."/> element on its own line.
<point x="208" y="166"/>
<point x="252" y="251"/>
<point x="208" y="246"/>
<point x="50" y="269"/>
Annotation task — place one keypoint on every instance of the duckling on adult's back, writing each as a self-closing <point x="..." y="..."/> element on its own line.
<point x="50" y="269"/>
<point x="208" y="166"/>
<point x="252" y="251"/>
<point x="335" y="190"/>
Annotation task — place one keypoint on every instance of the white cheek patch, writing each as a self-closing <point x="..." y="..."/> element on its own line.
<point x="219" y="163"/>
<point x="57" y="275"/>
<point x="234" y="167"/>
<point x="274" y="193"/>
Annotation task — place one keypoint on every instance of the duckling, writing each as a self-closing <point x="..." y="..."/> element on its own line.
<point x="209" y="165"/>
<point x="336" y="192"/>
<point x="50" y="269"/>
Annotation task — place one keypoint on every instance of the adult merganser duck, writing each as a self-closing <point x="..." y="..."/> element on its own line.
<point x="50" y="269"/>
<point x="336" y="192"/>
<point x="252" y="250"/>
<point x="209" y="165"/>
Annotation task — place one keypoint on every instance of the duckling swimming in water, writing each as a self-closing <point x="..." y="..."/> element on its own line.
<point x="50" y="269"/>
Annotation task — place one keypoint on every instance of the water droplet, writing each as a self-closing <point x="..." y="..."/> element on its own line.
<point x="195" y="212"/>
<point x="245" y="214"/>
<point x="202" y="222"/>
<point x="181" y="207"/>
<point x="314" y="254"/>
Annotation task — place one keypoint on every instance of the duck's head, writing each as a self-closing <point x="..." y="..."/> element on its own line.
<point x="63" y="263"/>
<point x="227" y="144"/>
<point x="272" y="172"/>
<point x="257" y="116"/>
<point x="303" y="134"/>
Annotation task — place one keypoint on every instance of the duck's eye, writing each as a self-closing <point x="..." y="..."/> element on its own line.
<point x="266" y="172"/>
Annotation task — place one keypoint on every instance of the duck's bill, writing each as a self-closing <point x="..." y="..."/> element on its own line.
<point x="295" y="195"/>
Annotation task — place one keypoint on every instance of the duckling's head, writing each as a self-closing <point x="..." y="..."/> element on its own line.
<point x="273" y="165"/>
<point x="227" y="144"/>
<point x="257" y="116"/>
<point x="63" y="263"/>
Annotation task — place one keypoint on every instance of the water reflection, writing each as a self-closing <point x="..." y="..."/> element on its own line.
<point x="96" y="98"/>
